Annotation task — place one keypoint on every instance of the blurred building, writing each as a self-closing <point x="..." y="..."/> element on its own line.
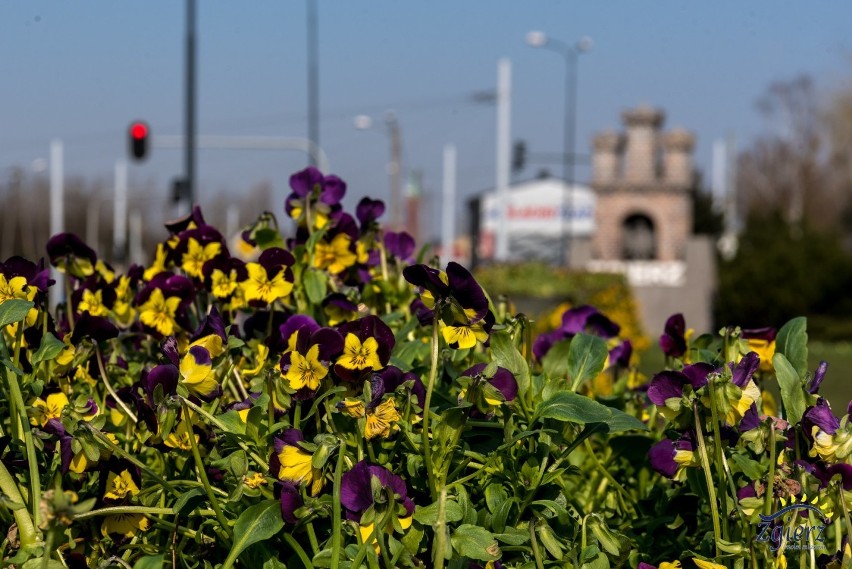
<point x="634" y="219"/>
<point x="544" y="217"/>
<point x="643" y="179"/>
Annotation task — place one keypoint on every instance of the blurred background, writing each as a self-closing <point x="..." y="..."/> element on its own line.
<point x="699" y="155"/>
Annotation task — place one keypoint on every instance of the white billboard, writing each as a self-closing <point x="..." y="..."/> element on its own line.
<point x="540" y="215"/>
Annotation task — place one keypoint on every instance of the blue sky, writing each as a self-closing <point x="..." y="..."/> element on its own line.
<point x="83" y="70"/>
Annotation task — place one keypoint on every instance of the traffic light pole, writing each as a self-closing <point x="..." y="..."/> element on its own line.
<point x="189" y="149"/>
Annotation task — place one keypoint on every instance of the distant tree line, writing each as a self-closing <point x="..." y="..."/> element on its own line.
<point x="794" y="190"/>
<point x="25" y="212"/>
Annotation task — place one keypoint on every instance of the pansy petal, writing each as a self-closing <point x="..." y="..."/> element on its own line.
<point x="745" y="369"/>
<point x="661" y="458"/>
<point x="697" y="374"/>
<point x="666" y="385"/>
<point x="291" y="501"/>
<point x="819" y="375"/>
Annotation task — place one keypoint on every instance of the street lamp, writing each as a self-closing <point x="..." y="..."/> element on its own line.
<point x="365" y="122"/>
<point x="569" y="52"/>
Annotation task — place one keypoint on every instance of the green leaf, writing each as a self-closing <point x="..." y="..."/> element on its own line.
<point x="315" y="285"/>
<point x="586" y="358"/>
<point x="39" y="563"/>
<point x="428" y="515"/>
<point x="11" y="366"/>
<point x="573" y="408"/>
<point x="548" y="539"/>
<point x="792" y="341"/>
<point x="495" y="495"/>
<point x="232" y="423"/>
<point x="507" y="355"/>
<point x="188" y="501"/>
<point x="751" y="468"/>
<point x="605" y="537"/>
<point x="555" y="362"/>
<point x="49" y="349"/>
<point x="13" y="310"/>
<point x="791" y="388"/>
<point x="621" y="421"/>
<point x="257" y="523"/>
<point x="149" y="562"/>
<point x="475" y="542"/>
<point x="267" y="237"/>
<point x="513" y="536"/>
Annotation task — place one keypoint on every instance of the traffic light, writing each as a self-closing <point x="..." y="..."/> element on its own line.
<point x="139" y="133"/>
<point x="519" y="156"/>
<point x="180" y="190"/>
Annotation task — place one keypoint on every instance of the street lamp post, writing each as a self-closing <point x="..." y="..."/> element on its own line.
<point x="365" y="122"/>
<point x="569" y="53"/>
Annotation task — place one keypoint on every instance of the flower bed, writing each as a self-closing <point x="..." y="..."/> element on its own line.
<point x="329" y="401"/>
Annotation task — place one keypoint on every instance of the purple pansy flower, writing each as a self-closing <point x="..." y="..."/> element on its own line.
<point x="575" y="321"/>
<point x="291" y="501"/>
<point x="401" y="245"/>
<point x="821" y="416"/>
<point x="816" y="380"/>
<point x="667" y="456"/>
<point x="668" y="384"/>
<point x="356" y="489"/>
<point x="673" y="340"/>
<point x="368" y="211"/>
<point x="69" y="254"/>
<point x="503" y="381"/>
<point x="392" y="377"/>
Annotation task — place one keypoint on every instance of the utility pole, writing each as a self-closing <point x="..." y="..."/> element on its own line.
<point x="504" y="117"/>
<point x="57" y="212"/>
<point x="395" y="169"/>
<point x="119" y="222"/>
<point x="313" y="76"/>
<point x="448" y="205"/>
<point x="189" y="149"/>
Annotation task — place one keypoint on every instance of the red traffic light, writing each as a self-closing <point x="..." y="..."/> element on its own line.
<point x="138" y="132"/>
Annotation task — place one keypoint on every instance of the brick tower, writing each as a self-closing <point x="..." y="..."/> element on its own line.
<point x="642" y="180"/>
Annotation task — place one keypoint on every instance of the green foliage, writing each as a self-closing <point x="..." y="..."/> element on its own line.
<point x="781" y="272"/>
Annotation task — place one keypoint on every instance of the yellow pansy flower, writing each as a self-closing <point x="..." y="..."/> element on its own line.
<point x="196" y="255"/>
<point x="306" y="371"/>
<point x="336" y="256"/>
<point x="158" y="312"/>
<point x="359" y="356"/>
<point x="260" y="287"/>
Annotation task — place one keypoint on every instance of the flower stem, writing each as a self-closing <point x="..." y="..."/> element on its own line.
<point x="218" y="424"/>
<point x="26" y="528"/>
<point x="534" y="543"/>
<point x="107" y="443"/>
<point x="717" y="445"/>
<point x="337" y="529"/>
<point x="32" y="457"/>
<point x="708" y="477"/>
<point x="767" y="508"/>
<point x="440" y="531"/>
<point x="202" y="473"/>
<point x="845" y="511"/>
<point x="300" y="552"/>
<point x="110" y="388"/>
<point x="114" y="510"/>
<point x="430" y="387"/>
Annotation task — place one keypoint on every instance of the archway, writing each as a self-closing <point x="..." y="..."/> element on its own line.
<point x="638" y="238"/>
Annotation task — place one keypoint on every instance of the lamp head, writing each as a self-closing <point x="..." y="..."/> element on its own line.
<point x="362" y="122"/>
<point x="584" y="44"/>
<point x="536" y="38"/>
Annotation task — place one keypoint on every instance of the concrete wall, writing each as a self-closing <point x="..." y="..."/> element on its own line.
<point x="694" y="299"/>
